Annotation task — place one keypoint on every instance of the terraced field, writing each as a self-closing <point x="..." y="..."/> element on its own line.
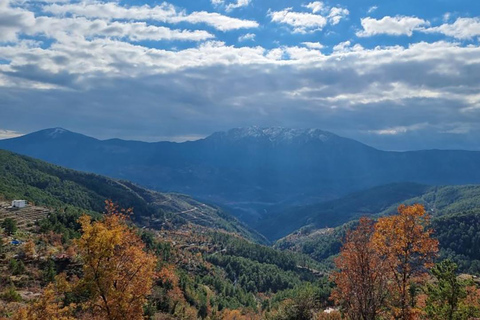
<point x="25" y="217"/>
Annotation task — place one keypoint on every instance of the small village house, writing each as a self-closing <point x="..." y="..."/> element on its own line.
<point x="19" y="203"/>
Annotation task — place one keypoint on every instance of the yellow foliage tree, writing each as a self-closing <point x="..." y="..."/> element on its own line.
<point x="406" y="245"/>
<point x="46" y="308"/>
<point x="118" y="273"/>
<point x="362" y="276"/>
<point x="29" y="249"/>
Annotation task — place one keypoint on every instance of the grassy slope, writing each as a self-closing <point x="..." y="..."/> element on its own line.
<point x="54" y="186"/>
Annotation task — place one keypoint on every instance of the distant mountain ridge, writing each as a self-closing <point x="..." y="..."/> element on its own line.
<point x="249" y="170"/>
<point x="274" y="134"/>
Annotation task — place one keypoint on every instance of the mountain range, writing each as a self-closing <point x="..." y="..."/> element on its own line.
<point x="251" y="170"/>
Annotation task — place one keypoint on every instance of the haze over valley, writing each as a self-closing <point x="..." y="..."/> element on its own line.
<point x="252" y="172"/>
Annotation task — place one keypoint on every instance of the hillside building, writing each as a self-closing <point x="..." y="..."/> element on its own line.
<point x="19" y="203"/>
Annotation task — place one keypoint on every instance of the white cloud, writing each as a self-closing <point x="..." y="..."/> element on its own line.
<point x="7" y="134"/>
<point x="313" y="45"/>
<point x="16" y="20"/>
<point x="399" y="129"/>
<point x="13" y="20"/>
<point x="446" y="17"/>
<point x="462" y="28"/>
<point x="165" y="12"/>
<point x="134" y="31"/>
<point x="238" y="4"/>
<point x="247" y="37"/>
<point x="232" y="5"/>
<point x="302" y="22"/>
<point x="346" y="46"/>
<point x="398" y="25"/>
<point x="392" y="86"/>
<point x="372" y="9"/>
<point x="216" y="20"/>
<point x="337" y="14"/>
<point x="317" y="6"/>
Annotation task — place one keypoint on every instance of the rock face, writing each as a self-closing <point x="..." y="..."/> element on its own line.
<point x="250" y="169"/>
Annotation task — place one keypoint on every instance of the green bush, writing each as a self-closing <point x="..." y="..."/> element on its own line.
<point x="11" y="295"/>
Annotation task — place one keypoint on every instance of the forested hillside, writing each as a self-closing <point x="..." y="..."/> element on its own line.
<point x="378" y="201"/>
<point x="45" y="184"/>
<point x="200" y="273"/>
<point x="284" y="220"/>
<point x="458" y="234"/>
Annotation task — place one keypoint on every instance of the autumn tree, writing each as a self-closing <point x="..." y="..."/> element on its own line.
<point x="170" y="282"/>
<point x="361" y="278"/>
<point x="118" y="273"/>
<point x="29" y="249"/>
<point x="405" y="243"/>
<point x="47" y="307"/>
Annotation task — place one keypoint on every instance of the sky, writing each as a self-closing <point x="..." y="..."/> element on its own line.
<point x="397" y="75"/>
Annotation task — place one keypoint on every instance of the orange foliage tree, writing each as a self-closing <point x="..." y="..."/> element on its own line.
<point x="29" y="249"/>
<point x="405" y="243"/>
<point x="362" y="276"/>
<point x="47" y="307"/>
<point x="118" y="273"/>
<point x="171" y="281"/>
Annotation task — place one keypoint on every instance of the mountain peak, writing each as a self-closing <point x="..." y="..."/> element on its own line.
<point x="56" y="132"/>
<point x="275" y="134"/>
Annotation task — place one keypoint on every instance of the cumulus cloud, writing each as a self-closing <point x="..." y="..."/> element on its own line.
<point x="238" y="4"/>
<point x="134" y="31"/>
<point x="218" y="86"/>
<point x="165" y="12"/>
<point x="337" y="14"/>
<point x="247" y="37"/>
<point x="346" y="46"/>
<point x="301" y="22"/>
<point x="304" y="22"/>
<point x="317" y="6"/>
<point x="313" y="45"/>
<point x="13" y="21"/>
<point x="231" y="5"/>
<point x="396" y="26"/>
<point x="462" y="28"/>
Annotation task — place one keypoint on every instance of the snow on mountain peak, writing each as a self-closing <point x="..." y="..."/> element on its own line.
<point x="276" y="134"/>
<point x="55" y="132"/>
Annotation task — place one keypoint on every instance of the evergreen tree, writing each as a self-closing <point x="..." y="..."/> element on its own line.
<point x="446" y="293"/>
<point x="10" y="226"/>
<point x="49" y="272"/>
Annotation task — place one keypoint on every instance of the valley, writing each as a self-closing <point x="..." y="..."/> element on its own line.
<point x="251" y="171"/>
<point x="252" y="254"/>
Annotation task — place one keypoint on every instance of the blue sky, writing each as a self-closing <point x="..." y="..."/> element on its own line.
<point x="397" y="75"/>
